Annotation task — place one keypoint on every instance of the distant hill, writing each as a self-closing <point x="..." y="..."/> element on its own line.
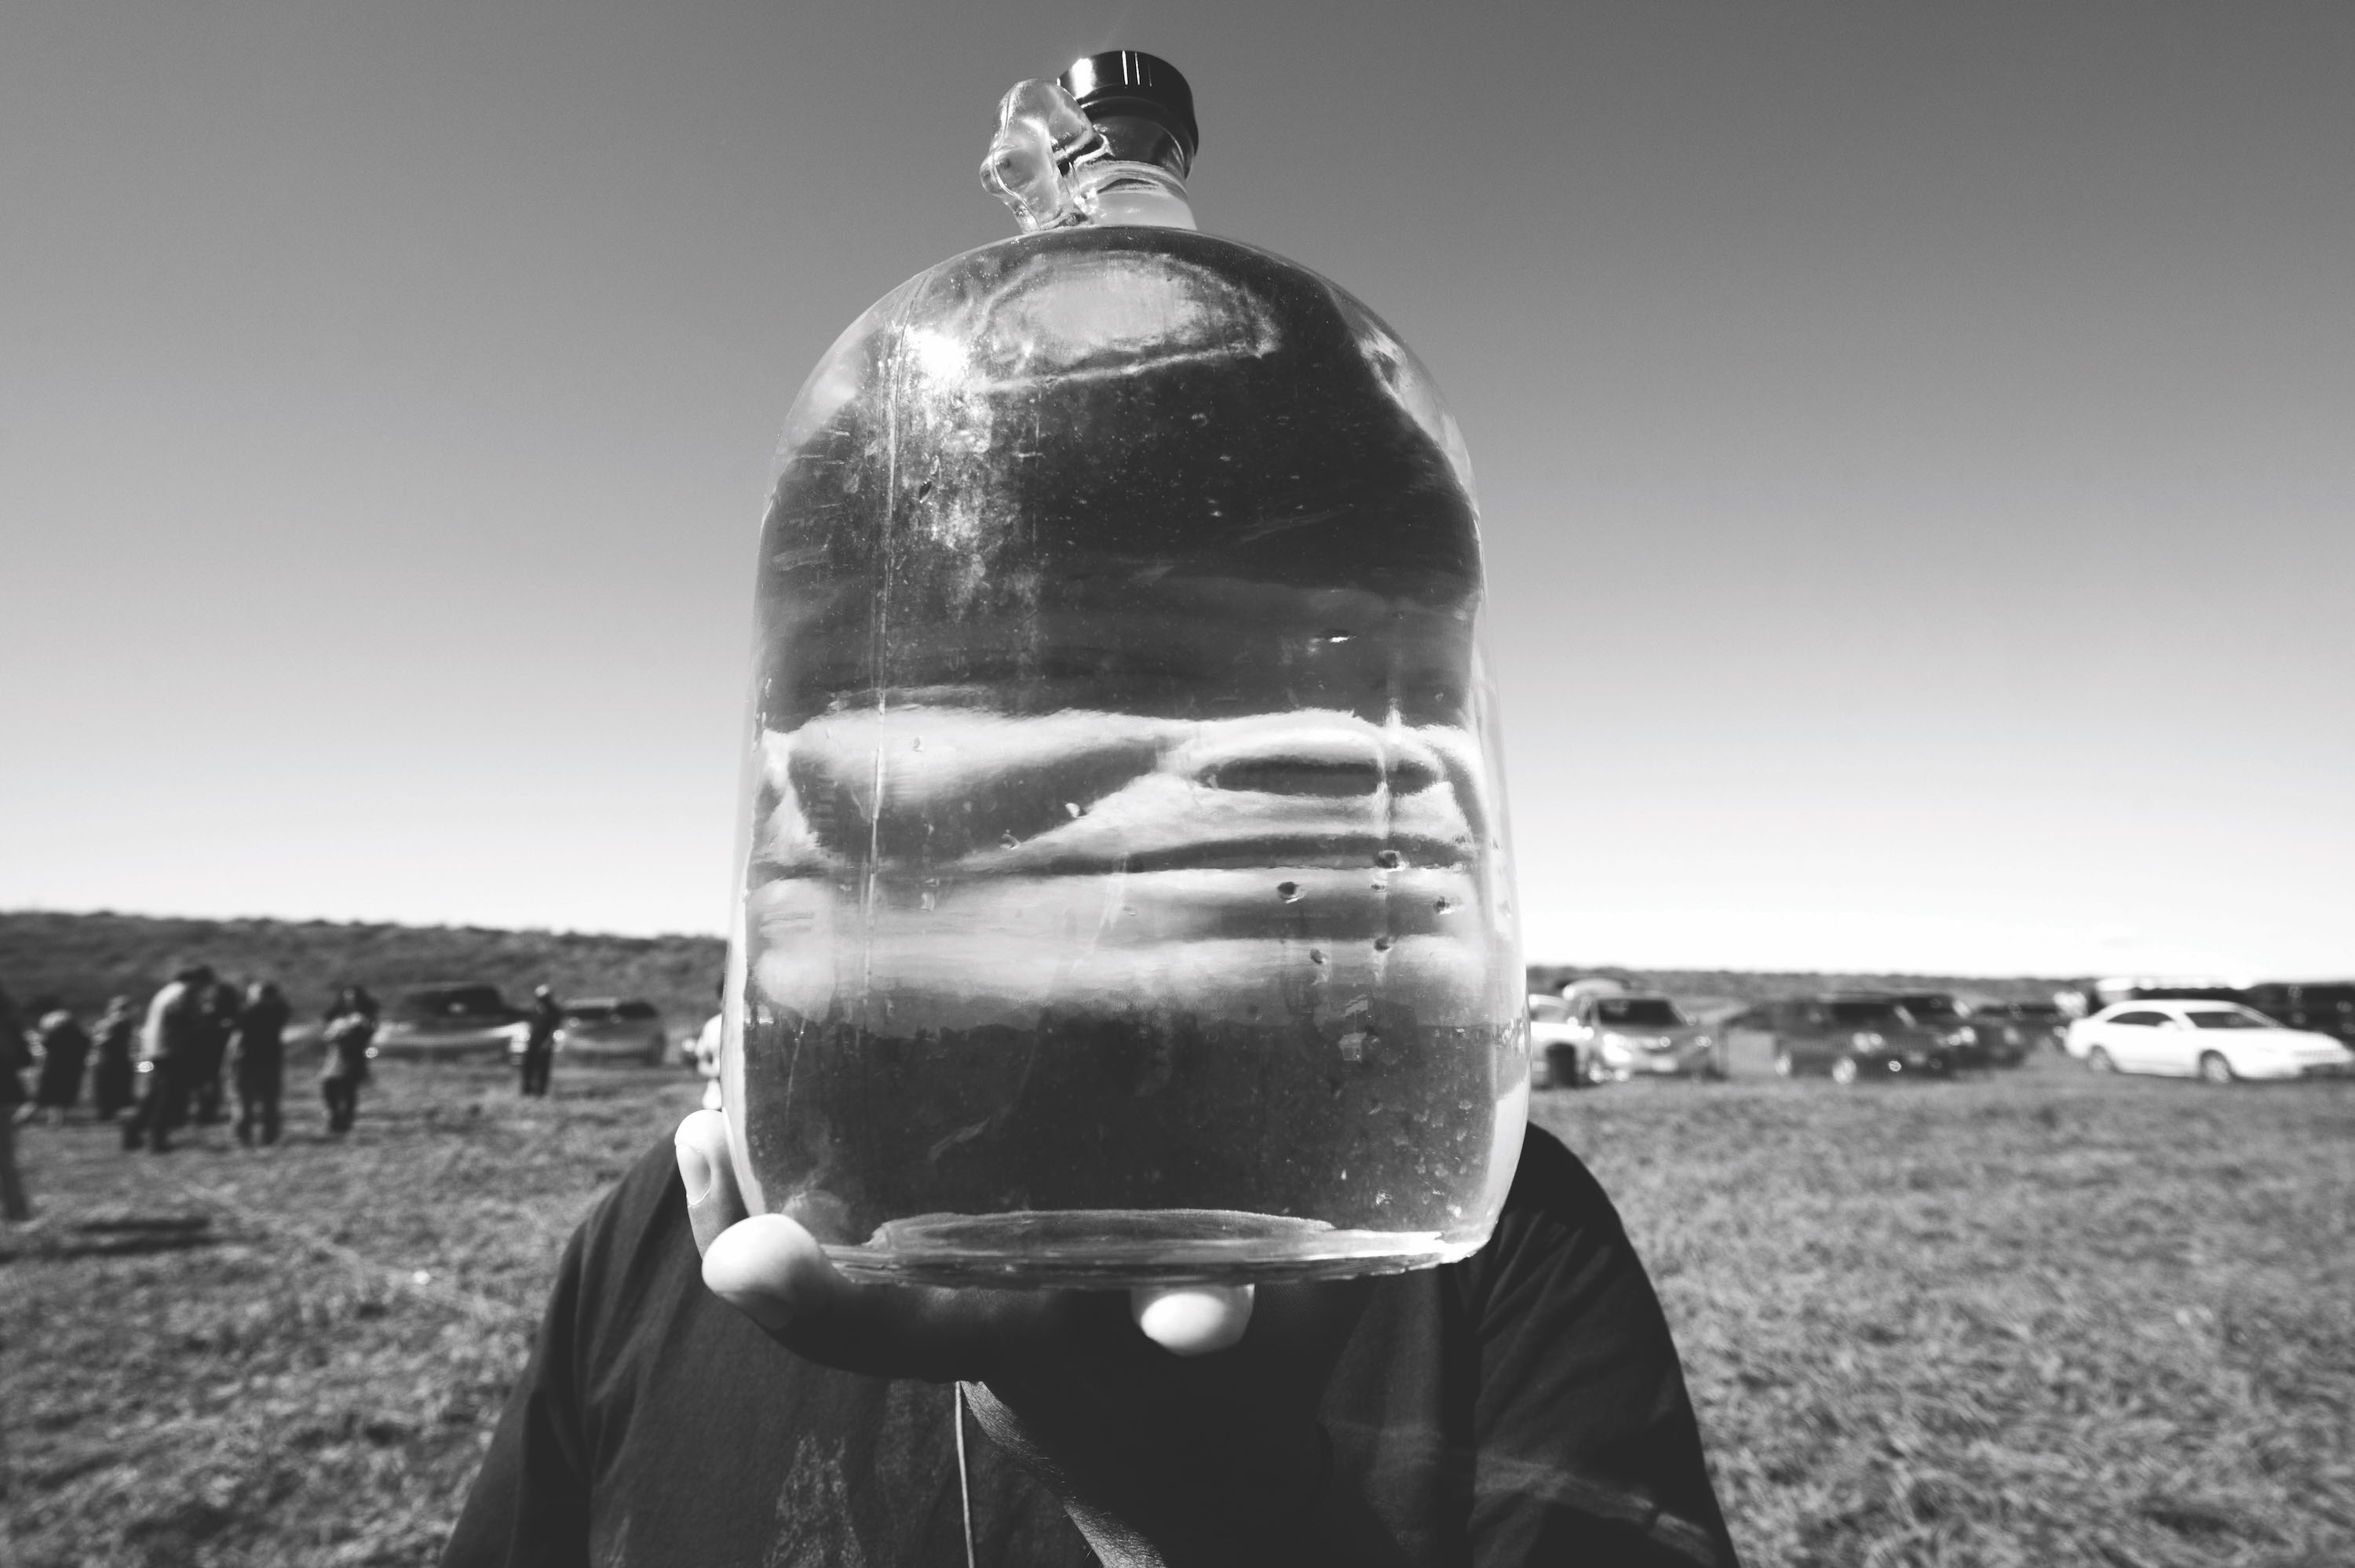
<point x="82" y="959"/>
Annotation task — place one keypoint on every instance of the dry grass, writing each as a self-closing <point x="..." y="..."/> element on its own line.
<point x="217" y="1356"/>
<point x="2041" y="1319"/>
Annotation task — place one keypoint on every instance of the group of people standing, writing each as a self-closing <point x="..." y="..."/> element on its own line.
<point x="203" y="1048"/>
<point x="203" y="1036"/>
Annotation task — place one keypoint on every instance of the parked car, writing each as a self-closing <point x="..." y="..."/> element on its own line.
<point x="1560" y="1057"/>
<point x="1850" y="1037"/>
<point x="1969" y="1045"/>
<point x="609" y="1029"/>
<point x="1639" y="1034"/>
<point x="2217" y="1041"/>
<point x="452" y="1020"/>
<point x="2040" y="1025"/>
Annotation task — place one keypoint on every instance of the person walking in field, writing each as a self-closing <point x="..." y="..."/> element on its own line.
<point x="539" y="1043"/>
<point x="113" y="1078"/>
<point x="346" y="1067"/>
<point x="170" y="1044"/>
<point x="65" y="1051"/>
<point x="258" y="1063"/>
<point x="15" y="1055"/>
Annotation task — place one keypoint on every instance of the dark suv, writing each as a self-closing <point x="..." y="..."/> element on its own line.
<point x="2326" y="1008"/>
<point x="1850" y="1037"/>
<point x="1969" y="1042"/>
<point x="2022" y="1026"/>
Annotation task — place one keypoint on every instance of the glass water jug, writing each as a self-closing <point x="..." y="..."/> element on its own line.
<point x="1125" y="896"/>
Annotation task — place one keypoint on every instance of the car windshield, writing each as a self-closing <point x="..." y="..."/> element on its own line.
<point x="589" y="1011"/>
<point x="1868" y="1014"/>
<point x="1656" y="1011"/>
<point x="1932" y="1009"/>
<point x="1548" y="1010"/>
<point x="2229" y="1018"/>
<point x="640" y="1009"/>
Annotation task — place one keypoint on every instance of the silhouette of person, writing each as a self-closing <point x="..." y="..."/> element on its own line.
<point x="16" y="1207"/>
<point x="219" y="1016"/>
<point x="258" y="1063"/>
<point x="345" y="1067"/>
<point x="539" y="1041"/>
<point x="64" y="1051"/>
<point x="113" y="1078"/>
<point x="170" y="1045"/>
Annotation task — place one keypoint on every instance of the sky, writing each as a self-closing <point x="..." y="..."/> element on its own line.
<point x="1915" y="443"/>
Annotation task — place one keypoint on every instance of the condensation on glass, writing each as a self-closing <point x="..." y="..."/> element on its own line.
<point x="1126" y="888"/>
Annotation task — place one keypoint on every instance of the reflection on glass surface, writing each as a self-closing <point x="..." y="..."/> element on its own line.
<point x="1126" y="890"/>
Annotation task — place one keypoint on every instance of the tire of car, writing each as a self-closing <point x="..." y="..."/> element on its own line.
<point x="1784" y="1067"/>
<point x="2214" y="1069"/>
<point x="1844" y="1071"/>
<point x="2098" y="1061"/>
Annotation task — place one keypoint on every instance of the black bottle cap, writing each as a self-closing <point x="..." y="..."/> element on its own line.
<point x="1123" y="83"/>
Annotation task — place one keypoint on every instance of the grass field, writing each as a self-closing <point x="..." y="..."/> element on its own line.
<point x="2044" y="1318"/>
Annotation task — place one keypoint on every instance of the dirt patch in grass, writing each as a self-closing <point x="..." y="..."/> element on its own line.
<point x="2041" y="1319"/>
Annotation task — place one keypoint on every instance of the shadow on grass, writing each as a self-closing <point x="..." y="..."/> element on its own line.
<point x="131" y="1236"/>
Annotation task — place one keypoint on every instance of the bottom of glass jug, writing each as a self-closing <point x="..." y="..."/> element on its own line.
<point x="1109" y="1248"/>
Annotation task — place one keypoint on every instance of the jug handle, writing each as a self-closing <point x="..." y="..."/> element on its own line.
<point x="1043" y="140"/>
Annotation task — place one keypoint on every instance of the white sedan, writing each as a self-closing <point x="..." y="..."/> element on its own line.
<point x="2217" y="1041"/>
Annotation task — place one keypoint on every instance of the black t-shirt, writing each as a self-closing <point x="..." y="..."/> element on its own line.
<point x="1524" y="1406"/>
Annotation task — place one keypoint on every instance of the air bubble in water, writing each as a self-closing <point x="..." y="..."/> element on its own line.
<point x="1444" y="905"/>
<point x="1007" y="839"/>
<point x="1288" y="891"/>
<point x="1390" y="860"/>
<point x="1316" y="955"/>
<point x="1382" y="944"/>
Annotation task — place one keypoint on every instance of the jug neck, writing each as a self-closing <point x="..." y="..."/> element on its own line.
<point x="1133" y="168"/>
<point x="1118" y="190"/>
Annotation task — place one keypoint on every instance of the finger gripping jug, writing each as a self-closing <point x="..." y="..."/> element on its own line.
<point x="1125" y="896"/>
